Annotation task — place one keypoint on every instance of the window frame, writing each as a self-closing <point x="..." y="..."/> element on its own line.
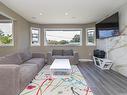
<point x="39" y="30"/>
<point x="10" y="45"/>
<point x="87" y="43"/>
<point x="46" y="44"/>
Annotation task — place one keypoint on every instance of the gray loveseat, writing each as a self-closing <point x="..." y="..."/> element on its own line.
<point x="63" y="54"/>
<point x="17" y="71"/>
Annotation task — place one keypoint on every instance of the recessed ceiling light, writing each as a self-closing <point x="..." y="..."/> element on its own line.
<point x="66" y="14"/>
<point x="41" y="14"/>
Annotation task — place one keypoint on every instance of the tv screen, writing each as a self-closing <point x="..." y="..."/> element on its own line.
<point x="108" y="27"/>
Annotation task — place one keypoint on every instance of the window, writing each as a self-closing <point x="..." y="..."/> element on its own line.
<point x="6" y="33"/>
<point x="63" y="37"/>
<point x="35" y="36"/>
<point x="90" y="36"/>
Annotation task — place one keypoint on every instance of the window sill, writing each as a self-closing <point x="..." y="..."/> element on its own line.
<point x="90" y="44"/>
<point x="35" y="45"/>
<point x="63" y="45"/>
<point x="7" y="46"/>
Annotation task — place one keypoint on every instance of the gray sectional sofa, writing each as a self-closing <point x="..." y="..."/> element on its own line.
<point x="17" y="71"/>
<point x="63" y="54"/>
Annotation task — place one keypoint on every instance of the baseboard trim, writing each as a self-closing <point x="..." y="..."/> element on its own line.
<point x="85" y="60"/>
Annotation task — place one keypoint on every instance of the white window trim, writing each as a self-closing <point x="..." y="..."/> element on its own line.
<point x="10" y="45"/>
<point x="45" y="43"/>
<point x="31" y="36"/>
<point x="92" y="28"/>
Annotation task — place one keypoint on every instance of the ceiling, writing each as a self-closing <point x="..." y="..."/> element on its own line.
<point x="63" y="11"/>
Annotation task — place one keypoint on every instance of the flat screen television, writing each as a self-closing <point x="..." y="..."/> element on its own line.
<point x="109" y="27"/>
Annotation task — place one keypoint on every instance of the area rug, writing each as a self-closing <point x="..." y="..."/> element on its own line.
<point x="44" y="84"/>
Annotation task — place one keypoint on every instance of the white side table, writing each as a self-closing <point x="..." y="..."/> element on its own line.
<point x="102" y="63"/>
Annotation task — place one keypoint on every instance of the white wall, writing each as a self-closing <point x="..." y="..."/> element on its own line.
<point x="101" y="44"/>
<point x="116" y="47"/>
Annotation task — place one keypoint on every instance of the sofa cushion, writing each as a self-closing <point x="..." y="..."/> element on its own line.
<point x="68" y="52"/>
<point x="27" y="73"/>
<point x="11" y="59"/>
<point x="26" y="55"/>
<point x="57" y="52"/>
<point x="38" y="61"/>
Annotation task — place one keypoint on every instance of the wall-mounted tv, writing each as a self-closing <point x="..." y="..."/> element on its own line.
<point x="109" y="27"/>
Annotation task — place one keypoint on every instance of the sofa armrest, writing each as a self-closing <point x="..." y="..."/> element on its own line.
<point x="38" y="55"/>
<point x="49" y="58"/>
<point x="76" y="57"/>
<point x="9" y="79"/>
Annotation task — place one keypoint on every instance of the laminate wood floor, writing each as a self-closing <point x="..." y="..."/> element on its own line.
<point x="103" y="82"/>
